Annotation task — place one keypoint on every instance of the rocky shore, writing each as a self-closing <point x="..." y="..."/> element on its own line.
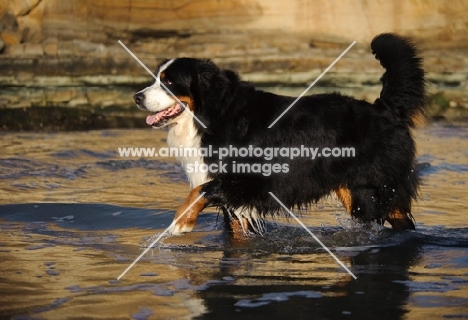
<point x="58" y="73"/>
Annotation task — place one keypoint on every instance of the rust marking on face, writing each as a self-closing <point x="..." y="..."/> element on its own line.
<point x="189" y="101"/>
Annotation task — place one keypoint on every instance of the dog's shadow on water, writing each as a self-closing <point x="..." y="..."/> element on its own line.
<point x="286" y="271"/>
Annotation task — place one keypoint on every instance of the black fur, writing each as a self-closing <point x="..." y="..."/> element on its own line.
<point x="381" y="177"/>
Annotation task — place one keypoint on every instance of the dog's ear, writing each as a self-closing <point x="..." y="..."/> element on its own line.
<point x="163" y="62"/>
<point x="209" y="86"/>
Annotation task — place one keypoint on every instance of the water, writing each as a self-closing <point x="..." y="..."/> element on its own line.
<point x="74" y="215"/>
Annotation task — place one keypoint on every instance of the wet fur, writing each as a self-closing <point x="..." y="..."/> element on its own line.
<point x="378" y="184"/>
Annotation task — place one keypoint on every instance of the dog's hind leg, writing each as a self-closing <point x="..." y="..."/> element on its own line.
<point x="364" y="204"/>
<point x="344" y="194"/>
<point x="400" y="221"/>
<point x="395" y="204"/>
<point x="368" y="204"/>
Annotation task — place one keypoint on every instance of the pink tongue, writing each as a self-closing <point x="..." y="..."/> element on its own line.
<point x="150" y="119"/>
<point x="163" y="113"/>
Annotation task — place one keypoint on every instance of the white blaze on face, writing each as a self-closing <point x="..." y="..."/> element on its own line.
<point x="156" y="98"/>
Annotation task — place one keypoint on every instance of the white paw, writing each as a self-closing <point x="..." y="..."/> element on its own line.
<point x="177" y="230"/>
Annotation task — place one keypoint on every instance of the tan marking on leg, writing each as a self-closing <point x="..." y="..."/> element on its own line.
<point x="344" y="194"/>
<point x="400" y="221"/>
<point x="187" y="221"/>
<point x="239" y="227"/>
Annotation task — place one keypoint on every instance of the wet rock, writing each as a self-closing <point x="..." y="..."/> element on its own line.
<point x="10" y="37"/>
<point x="8" y="20"/>
<point x="64" y="54"/>
<point x="15" y="50"/>
<point x="22" y="7"/>
<point x="33" y="49"/>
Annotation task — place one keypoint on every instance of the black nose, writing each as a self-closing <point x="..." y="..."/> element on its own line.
<point x="139" y="99"/>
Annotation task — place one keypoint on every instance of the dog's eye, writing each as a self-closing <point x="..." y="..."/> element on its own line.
<point x="167" y="82"/>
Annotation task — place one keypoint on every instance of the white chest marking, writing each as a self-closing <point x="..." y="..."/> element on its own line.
<point x="183" y="134"/>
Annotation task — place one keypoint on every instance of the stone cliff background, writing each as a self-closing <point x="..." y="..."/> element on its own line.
<point x="62" y="67"/>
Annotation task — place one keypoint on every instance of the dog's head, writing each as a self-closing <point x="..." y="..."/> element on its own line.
<point x="182" y="83"/>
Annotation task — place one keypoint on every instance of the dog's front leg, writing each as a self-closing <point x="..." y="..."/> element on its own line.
<point x="187" y="214"/>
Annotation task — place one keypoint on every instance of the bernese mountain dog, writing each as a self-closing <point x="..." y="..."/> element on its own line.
<point x="204" y="106"/>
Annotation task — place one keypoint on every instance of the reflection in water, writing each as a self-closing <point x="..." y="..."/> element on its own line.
<point x="319" y="293"/>
<point x="61" y="248"/>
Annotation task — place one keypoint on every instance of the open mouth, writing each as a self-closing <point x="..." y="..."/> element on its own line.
<point x="160" y="118"/>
